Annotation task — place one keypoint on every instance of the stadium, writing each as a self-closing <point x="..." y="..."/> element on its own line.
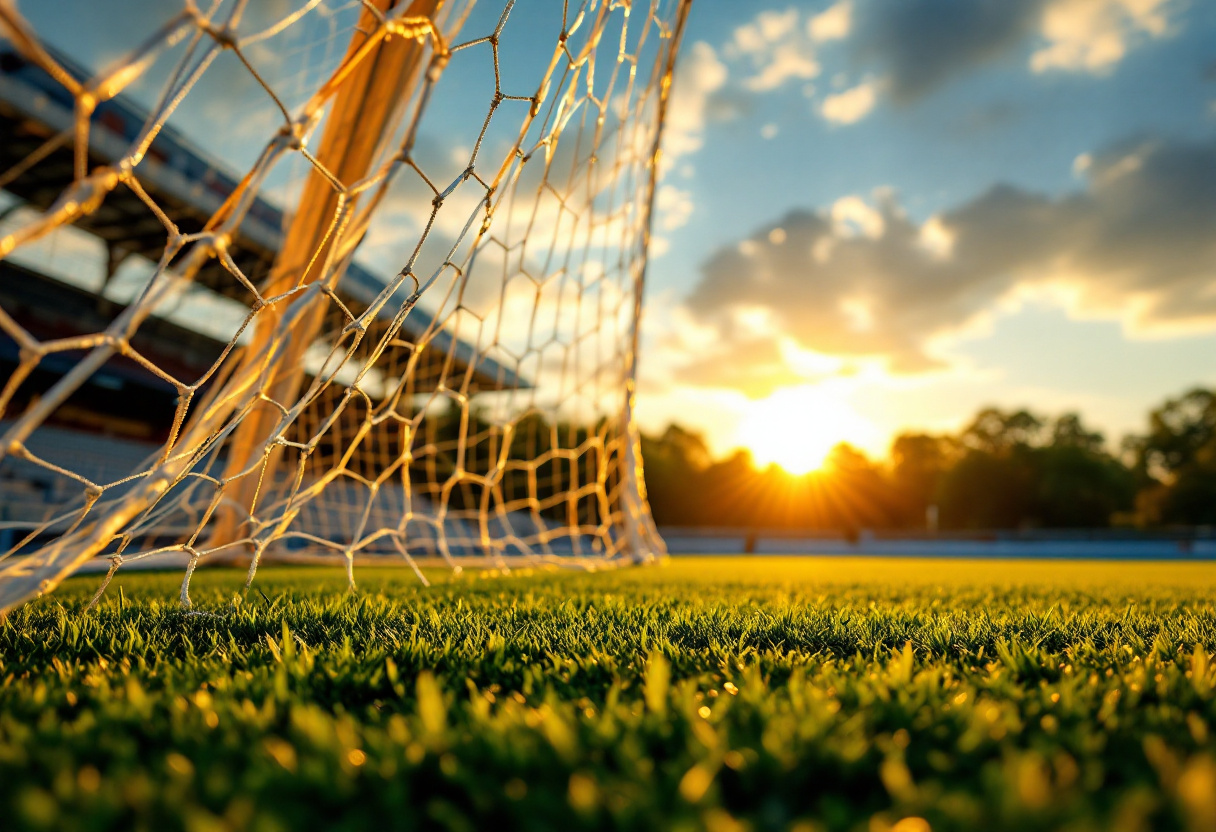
<point x="110" y="426"/>
<point x="451" y="414"/>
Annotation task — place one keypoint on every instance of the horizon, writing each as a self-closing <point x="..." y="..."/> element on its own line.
<point x="1019" y="219"/>
<point x="332" y="495"/>
<point x="836" y="128"/>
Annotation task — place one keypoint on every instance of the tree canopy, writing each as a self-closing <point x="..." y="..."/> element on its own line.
<point x="1005" y="469"/>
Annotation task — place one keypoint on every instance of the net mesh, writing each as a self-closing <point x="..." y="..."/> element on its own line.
<point x="429" y="354"/>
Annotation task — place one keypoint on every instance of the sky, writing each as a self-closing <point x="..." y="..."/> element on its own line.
<point x="879" y="216"/>
<point x="912" y="210"/>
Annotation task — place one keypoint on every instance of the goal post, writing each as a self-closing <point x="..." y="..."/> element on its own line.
<point x="382" y="72"/>
<point x="407" y="332"/>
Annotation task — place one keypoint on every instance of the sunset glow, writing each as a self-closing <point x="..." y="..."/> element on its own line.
<point x="796" y="428"/>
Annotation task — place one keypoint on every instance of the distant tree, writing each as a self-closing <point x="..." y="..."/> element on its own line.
<point x="855" y="493"/>
<point x="986" y="490"/>
<point x="734" y="493"/>
<point x="995" y="432"/>
<point x="1176" y="461"/>
<point x="918" y="463"/>
<point x="688" y="447"/>
<point x="1006" y="469"/>
<point x="1182" y="433"/>
<point x="1079" y="483"/>
<point x="1080" y="486"/>
<point x="675" y="463"/>
<point x="687" y="488"/>
<point x="1068" y="431"/>
<point x="1188" y="499"/>
<point x="1024" y="470"/>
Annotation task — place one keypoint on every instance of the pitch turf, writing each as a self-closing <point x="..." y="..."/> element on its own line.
<point x="762" y="693"/>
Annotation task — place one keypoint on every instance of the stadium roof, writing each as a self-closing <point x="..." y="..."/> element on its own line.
<point x="188" y="185"/>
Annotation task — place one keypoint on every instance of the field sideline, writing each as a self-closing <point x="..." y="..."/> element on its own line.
<point x="716" y="693"/>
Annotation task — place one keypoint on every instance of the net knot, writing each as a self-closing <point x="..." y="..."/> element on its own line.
<point x="216" y="241"/>
<point x="292" y="134"/>
<point x="86" y="195"/>
<point x="224" y="36"/>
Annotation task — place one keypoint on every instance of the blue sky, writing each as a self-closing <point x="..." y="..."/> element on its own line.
<point x="899" y="211"/>
<point x="950" y="100"/>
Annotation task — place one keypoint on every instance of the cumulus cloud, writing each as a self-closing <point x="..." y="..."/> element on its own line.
<point x="921" y="44"/>
<point x="851" y="105"/>
<point x="778" y="49"/>
<point x="907" y="49"/>
<point x="782" y="63"/>
<point x="697" y="98"/>
<point x="863" y="282"/>
<point x="699" y="75"/>
<point x="768" y="28"/>
<point x="1093" y="35"/>
<point x="673" y="207"/>
<point x="833" y="24"/>
<point x="755" y="367"/>
<point x="852" y="214"/>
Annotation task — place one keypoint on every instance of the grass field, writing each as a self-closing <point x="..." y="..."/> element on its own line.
<point x="725" y="694"/>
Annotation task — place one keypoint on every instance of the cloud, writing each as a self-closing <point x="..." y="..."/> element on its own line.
<point x="922" y="44"/>
<point x="782" y="63"/>
<point x="906" y="50"/>
<point x="755" y="367"/>
<point x="1094" y="35"/>
<point x="863" y="282"/>
<point x="851" y="214"/>
<point x="699" y="75"/>
<point x="697" y="98"/>
<point x="673" y="207"/>
<point x="768" y="28"/>
<point x="684" y="352"/>
<point x="778" y="49"/>
<point x="852" y="105"/>
<point x="833" y="24"/>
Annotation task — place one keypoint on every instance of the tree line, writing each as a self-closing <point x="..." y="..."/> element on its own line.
<point x="1006" y="469"/>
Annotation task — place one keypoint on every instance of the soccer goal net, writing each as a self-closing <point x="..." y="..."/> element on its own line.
<point x="324" y="278"/>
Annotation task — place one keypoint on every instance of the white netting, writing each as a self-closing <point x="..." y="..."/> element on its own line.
<point x="192" y="369"/>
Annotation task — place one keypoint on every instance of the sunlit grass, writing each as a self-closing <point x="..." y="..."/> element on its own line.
<point x="762" y="693"/>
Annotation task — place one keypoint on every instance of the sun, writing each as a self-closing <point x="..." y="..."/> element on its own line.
<point x="797" y="427"/>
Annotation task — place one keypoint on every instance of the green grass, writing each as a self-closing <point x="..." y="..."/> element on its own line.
<point x="762" y="693"/>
